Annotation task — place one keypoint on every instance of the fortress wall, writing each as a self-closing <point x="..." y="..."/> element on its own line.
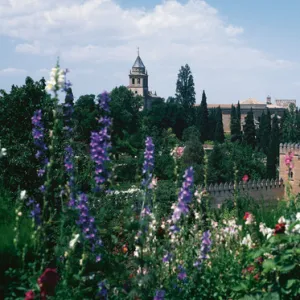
<point x="268" y="191"/>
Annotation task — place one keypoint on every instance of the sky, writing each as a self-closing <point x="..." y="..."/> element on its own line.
<point x="235" y="49"/>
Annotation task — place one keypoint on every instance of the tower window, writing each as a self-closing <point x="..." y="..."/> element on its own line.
<point x="138" y="80"/>
<point x="132" y="80"/>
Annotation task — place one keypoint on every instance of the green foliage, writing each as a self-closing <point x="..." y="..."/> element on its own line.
<point x="223" y="158"/>
<point x="185" y="89"/>
<point x="273" y="152"/>
<point x="219" y="131"/>
<point x="204" y="125"/>
<point x="290" y="125"/>
<point x="125" y="112"/>
<point x="249" y="130"/>
<point x="18" y="169"/>
<point x="85" y="114"/>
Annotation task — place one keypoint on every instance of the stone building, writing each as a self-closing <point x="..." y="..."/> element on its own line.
<point x="138" y="82"/>
<point x="257" y="108"/>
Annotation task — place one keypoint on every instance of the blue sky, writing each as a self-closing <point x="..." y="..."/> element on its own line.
<point x="236" y="49"/>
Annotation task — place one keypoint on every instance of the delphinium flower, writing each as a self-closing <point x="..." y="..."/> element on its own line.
<point x="159" y="295"/>
<point x="38" y="137"/>
<point x="148" y="165"/>
<point x="35" y="211"/>
<point x="87" y="223"/>
<point x="181" y="273"/>
<point x="205" y="248"/>
<point x="100" y="142"/>
<point x="185" y="195"/>
<point x="103" y="290"/>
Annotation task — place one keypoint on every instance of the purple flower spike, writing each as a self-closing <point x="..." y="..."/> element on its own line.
<point x="100" y="142"/>
<point x="182" y="273"/>
<point x="38" y="136"/>
<point x="185" y="195"/>
<point x="148" y="165"/>
<point x="87" y="224"/>
<point x="159" y="295"/>
<point x="205" y="248"/>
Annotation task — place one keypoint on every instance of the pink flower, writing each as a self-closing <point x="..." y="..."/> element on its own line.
<point x="177" y="152"/>
<point x="153" y="183"/>
<point x="245" y="178"/>
<point x="29" y="295"/>
<point x="249" y="218"/>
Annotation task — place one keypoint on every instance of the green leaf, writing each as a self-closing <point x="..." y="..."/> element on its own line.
<point x="288" y="268"/>
<point x="269" y="265"/>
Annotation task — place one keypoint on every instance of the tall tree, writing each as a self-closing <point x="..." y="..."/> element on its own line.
<point x="238" y="115"/>
<point x="204" y="126"/>
<point x="273" y="150"/>
<point x="234" y="123"/>
<point x="249" y="130"/>
<point x="125" y="112"/>
<point x="185" y="88"/>
<point x="219" y="132"/>
<point x="212" y="122"/>
<point x="289" y="126"/>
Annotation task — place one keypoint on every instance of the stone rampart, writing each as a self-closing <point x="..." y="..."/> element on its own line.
<point x="268" y="191"/>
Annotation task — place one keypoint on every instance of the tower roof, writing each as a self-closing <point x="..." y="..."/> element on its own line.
<point x="138" y="63"/>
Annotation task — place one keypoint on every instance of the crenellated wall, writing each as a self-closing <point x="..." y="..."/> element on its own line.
<point x="285" y="149"/>
<point x="268" y="191"/>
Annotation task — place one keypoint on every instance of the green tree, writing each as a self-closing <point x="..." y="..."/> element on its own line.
<point x="238" y="115"/>
<point x="273" y="150"/>
<point x="190" y="132"/>
<point x="204" y="126"/>
<point x="18" y="168"/>
<point x="264" y="132"/>
<point x="249" y="130"/>
<point x="125" y="112"/>
<point x="234" y="122"/>
<point x="85" y="113"/>
<point x="290" y="130"/>
<point x="185" y="88"/>
<point x="212" y="122"/>
<point x="219" y="132"/>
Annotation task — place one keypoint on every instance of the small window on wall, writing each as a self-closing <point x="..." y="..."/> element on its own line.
<point x="291" y="175"/>
<point x="132" y="80"/>
<point x="138" y="80"/>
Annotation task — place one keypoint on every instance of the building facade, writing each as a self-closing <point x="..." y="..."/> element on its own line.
<point x="257" y="107"/>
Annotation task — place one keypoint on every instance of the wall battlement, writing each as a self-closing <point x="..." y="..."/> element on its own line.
<point x="267" y="190"/>
<point x="287" y="147"/>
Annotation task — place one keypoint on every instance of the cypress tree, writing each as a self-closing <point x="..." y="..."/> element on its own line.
<point x="233" y="119"/>
<point x="219" y="131"/>
<point x="204" y="127"/>
<point x="212" y="122"/>
<point x="273" y="151"/>
<point x="249" y="130"/>
<point x="238" y="115"/>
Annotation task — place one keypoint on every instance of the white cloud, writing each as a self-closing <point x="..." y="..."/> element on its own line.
<point x="12" y="71"/>
<point x="100" y="36"/>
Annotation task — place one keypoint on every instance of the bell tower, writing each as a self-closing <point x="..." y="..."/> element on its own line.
<point x="138" y="78"/>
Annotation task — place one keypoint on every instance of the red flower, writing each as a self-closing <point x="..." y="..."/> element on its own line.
<point x="47" y="282"/>
<point x="247" y="214"/>
<point x="250" y="269"/>
<point x="256" y="277"/>
<point x="245" y="178"/>
<point x="279" y="228"/>
<point x="29" y="295"/>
